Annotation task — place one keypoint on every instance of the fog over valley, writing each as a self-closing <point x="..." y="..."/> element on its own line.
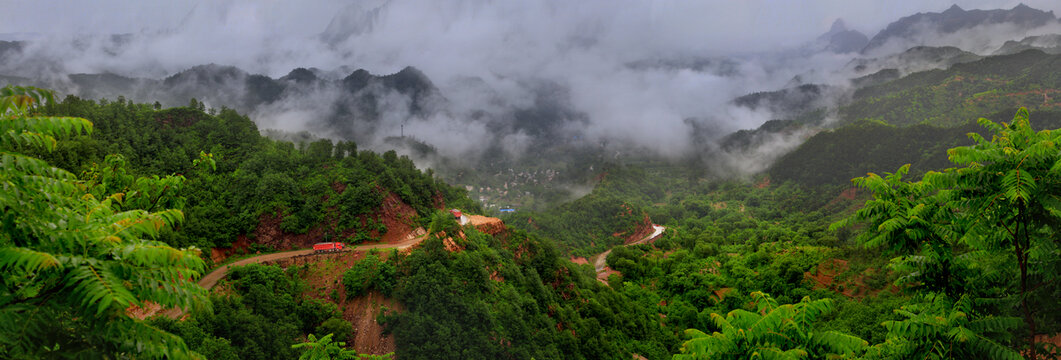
<point x="468" y="80"/>
<point x="549" y="179"/>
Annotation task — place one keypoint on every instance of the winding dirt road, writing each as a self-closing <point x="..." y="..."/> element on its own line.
<point x="209" y="280"/>
<point x="213" y="277"/>
<point x="600" y="263"/>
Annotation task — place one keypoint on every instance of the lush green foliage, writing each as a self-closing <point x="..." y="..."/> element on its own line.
<point x="585" y="225"/>
<point x="341" y="329"/>
<point x="326" y="349"/>
<point x="261" y="316"/>
<point x="936" y="327"/>
<point x="256" y="178"/>
<point x="1003" y="199"/>
<point x="965" y="91"/>
<point x="835" y="156"/>
<point x="368" y="274"/>
<point x="513" y="297"/>
<point x="772" y="332"/>
<point x="76" y="254"/>
<point x="973" y="251"/>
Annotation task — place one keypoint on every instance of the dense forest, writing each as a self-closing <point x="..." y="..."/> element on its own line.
<point x="905" y="231"/>
<point x="961" y="262"/>
<point x="535" y="304"/>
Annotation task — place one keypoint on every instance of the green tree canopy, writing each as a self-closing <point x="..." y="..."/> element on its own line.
<point x="773" y="332"/>
<point x="74" y="256"/>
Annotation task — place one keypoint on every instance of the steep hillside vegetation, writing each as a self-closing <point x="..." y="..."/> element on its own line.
<point x="463" y="295"/>
<point x="320" y="189"/>
<point x="963" y="92"/>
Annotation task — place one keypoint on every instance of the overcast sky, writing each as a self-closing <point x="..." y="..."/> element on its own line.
<point x="749" y="17"/>
<point x="481" y="53"/>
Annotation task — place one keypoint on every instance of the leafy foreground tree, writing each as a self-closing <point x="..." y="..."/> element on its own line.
<point x="325" y="349"/>
<point x="73" y="259"/>
<point x="1010" y="189"/>
<point x="1003" y="201"/>
<point x="939" y="328"/>
<point x="774" y="332"/>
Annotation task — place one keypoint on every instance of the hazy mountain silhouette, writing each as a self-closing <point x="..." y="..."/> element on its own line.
<point x="921" y="25"/>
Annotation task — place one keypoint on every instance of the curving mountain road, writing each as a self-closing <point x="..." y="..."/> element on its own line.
<point x="209" y="280"/>
<point x="600" y="262"/>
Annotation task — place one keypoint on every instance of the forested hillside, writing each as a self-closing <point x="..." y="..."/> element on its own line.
<point x="876" y="212"/>
<point x="950" y="253"/>
<point x="873" y="269"/>
<point x="476" y="295"/>
<point x="974" y="244"/>
<point x="965" y="91"/>
<point x="331" y="190"/>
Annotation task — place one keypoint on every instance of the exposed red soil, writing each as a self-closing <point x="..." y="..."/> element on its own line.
<point x="455" y="243"/>
<point x="763" y="184"/>
<point x="397" y="216"/>
<point x="720" y="294"/>
<point x="845" y="197"/>
<point x="325" y="275"/>
<point x="338" y="187"/>
<point x="644" y="228"/>
<point x="849" y="193"/>
<point x="606" y="272"/>
<point x="269" y="233"/>
<point x="220" y="254"/>
<point x="361" y="312"/>
<point x="288" y="258"/>
<point x="487" y="225"/>
<point x="852" y="287"/>
<point x="438" y="201"/>
<point x="451" y="245"/>
<point x="143" y="312"/>
<point x="1054" y="339"/>
<point x="580" y="260"/>
<point x="599" y="260"/>
<point x="1018" y="96"/>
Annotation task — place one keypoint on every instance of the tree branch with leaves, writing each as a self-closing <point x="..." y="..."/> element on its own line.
<point x="74" y="256"/>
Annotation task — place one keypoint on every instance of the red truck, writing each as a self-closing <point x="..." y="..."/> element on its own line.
<point x="328" y="247"/>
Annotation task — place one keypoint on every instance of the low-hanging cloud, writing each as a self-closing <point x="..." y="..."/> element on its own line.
<point x="658" y="74"/>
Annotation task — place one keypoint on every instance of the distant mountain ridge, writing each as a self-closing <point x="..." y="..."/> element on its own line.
<point x="840" y="39"/>
<point x="1049" y="43"/>
<point x="913" y="28"/>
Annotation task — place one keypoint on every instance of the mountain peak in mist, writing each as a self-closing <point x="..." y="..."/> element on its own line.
<point x="209" y="74"/>
<point x="301" y="76"/>
<point x="916" y="28"/>
<point x="954" y="9"/>
<point x="840" y="39"/>
<point x="838" y="26"/>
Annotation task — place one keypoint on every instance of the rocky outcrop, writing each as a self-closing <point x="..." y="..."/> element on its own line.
<point x="487" y="225"/>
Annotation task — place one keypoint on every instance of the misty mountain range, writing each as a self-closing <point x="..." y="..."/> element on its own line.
<point x="510" y="114"/>
<point x="914" y="28"/>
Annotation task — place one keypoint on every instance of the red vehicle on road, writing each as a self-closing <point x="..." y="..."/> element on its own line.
<point x="328" y="247"/>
